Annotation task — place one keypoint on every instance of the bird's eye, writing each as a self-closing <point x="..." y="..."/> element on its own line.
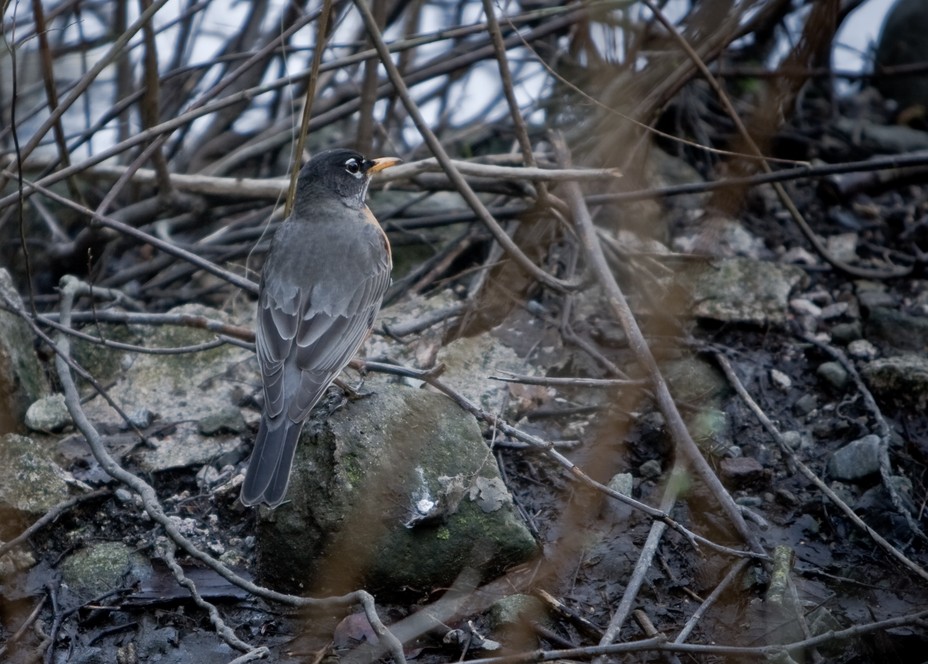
<point x="353" y="166"/>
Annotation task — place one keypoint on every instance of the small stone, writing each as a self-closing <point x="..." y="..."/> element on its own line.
<point x="49" y="414"/>
<point x="123" y="495"/>
<point x="650" y="469"/>
<point x="843" y="246"/>
<point x="622" y="483"/>
<point x="819" y="297"/>
<point x="871" y="299"/>
<point x="780" y="379"/>
<point x="805" y="404"/>
<point x="793" y="439"/>
<point x="834" y="374"/>
<point x="800" y="256"/>
<point x="834" y="310"/>
<point x="786" y="497"/>
<point x="226" y="420"/>
<point x="804" y="307"/>
<point x="141" y="418"/>
<point x="516" y="610"/>
<point x="846" y="332"/>
<point x="856" y="460"/>
<point x="103" y="567"/>
<point x="742" y="471"/>
<point x="808" y="524"/>
<point x="861" y="349"/>
<point x="31" y="482"/>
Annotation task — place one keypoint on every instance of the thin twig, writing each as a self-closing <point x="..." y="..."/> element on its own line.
<point x="639" y="346"/>
<point x="109" y="222"/>
<point x="512" y="250"/>
<point x="645" y="558"/>
<point x="322" y="31"/>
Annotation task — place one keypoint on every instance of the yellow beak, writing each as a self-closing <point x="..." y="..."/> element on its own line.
<point x="383" y="162"/>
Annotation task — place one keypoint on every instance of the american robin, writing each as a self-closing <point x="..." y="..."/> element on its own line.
<point x="321" y="288"/>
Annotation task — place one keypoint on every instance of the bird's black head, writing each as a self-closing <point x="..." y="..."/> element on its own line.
<point x="341" y="174"/>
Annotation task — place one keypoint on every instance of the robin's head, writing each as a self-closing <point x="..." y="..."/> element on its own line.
<point x="341" y="174"/>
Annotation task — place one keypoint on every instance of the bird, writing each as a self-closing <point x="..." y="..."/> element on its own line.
<point x="322" y="285"/>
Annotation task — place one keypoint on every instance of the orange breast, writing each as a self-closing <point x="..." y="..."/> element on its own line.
<point x="372" y="220"/>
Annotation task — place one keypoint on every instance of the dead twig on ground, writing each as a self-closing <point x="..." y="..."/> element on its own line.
<point x="639" y="346"/>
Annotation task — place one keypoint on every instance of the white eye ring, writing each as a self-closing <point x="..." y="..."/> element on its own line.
<point x="353" y="166"/>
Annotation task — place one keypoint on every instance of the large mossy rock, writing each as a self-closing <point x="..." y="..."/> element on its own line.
<point x="394" y="491"/>
<point x="22" y="379"/>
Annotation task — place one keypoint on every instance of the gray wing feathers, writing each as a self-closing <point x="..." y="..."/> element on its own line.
<point x="310" y="324"/>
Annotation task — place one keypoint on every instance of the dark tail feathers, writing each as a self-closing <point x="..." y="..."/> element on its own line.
<point x="268" y="471"/>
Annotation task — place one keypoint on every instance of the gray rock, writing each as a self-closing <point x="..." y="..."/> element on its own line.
<point x="843" y="246"/>
<point x="516" y="610"/>
<point x="395" y="490"/>
<point x="650" y="469"/>
<point x="470" y="360"/>
<point x="31" y="483"/>
<point x="805" y="404"/>
<point x="901" y="380"/>
<point x="739" y="290"/>
<point x="102" y="567"/>
<point x="834" y="374"/>
<point x="896" y="329"/>
<point x="225" y="420"/>
<point x="694" y="380"/>
<point x="843" y="333"/>
<point x="793" y="439"/>
<point x="181" y="389"/>
<point x="871" y="296"/>
<point x="48" y="414"/>
<point x="741" y="472"/>
<point x="22" y="380"/>
<point x="856" y="460"/>
<point x="861" y="349"/>
<point x="141" y="418"/>
<point x="835" y="310"/>
<point x="804" y="307"/>
<point x="622" y="483"/>
<point x="781" y="380"/>
<point x="720" y="237"/>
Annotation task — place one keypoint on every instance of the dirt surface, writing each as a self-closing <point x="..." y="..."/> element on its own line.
<point x="812" y="547"/>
